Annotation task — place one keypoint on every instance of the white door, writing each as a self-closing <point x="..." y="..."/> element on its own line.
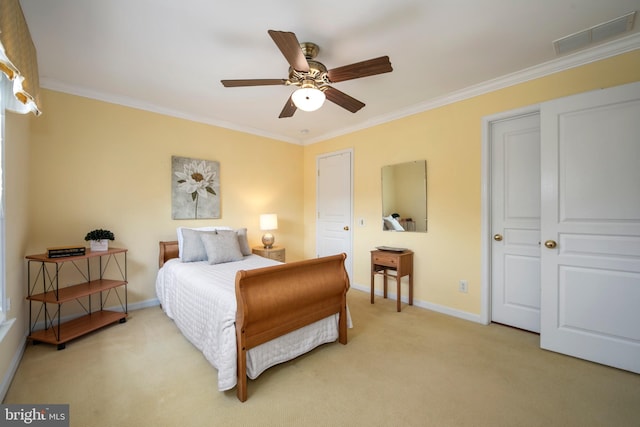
<point x="334" y="206"/>
<point x="590" y="261"/>
<point x="515" y="221"/>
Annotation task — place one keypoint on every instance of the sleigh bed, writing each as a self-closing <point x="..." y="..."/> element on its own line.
<point x="252" y="313"/>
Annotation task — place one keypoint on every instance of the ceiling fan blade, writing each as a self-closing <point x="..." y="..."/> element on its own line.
<point x="288" y="44"/>
<point x="343" y="100"/>
<point x="252" y="82"/>
<point x="370" y="67"/>
<point x="288" y="110"/>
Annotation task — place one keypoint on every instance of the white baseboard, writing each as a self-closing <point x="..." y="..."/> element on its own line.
<point x="144" y="304"/>
<point x="425" y="304"/>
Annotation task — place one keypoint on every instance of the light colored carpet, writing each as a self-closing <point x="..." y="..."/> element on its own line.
<point x="414" y="368"/>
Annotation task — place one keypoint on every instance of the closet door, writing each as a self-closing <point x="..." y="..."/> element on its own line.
<point x="590" y="226"/>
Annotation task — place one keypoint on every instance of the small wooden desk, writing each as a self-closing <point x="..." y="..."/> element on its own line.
<point x="400" y="262"/>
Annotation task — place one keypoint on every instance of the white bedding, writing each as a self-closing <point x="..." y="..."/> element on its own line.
<point x="201" y="300"/>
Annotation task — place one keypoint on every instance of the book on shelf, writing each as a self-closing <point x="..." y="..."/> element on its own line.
<point x="65" y="251"/>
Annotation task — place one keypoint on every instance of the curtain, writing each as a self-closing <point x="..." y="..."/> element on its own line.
<point x="18" y="58"/>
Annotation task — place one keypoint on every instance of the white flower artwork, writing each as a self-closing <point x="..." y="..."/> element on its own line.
<point x="195" y="188"/>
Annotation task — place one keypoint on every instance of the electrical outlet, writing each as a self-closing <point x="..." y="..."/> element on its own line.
<point x="463" y="286"/>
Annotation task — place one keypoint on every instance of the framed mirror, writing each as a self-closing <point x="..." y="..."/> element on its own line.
<point x="404" y="197"/>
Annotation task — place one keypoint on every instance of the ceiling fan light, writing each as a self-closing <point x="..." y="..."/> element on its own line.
<point x="308" y="98"/>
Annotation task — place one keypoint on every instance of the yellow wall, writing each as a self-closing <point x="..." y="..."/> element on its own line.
<point x="450" y="139"/>
<point x="99" y="165"/>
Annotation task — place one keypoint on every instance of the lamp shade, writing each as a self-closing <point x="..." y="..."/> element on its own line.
<point x="268" y="222"/>
<point x="308" y="98"/>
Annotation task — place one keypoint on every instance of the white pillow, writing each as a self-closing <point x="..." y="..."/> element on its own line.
<point x="181" y="239"/>
<point x="393" y="223"/>
<point x="221" y="247"/>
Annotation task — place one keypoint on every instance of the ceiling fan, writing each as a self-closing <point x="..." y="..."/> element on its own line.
<point x="312" y="78"/>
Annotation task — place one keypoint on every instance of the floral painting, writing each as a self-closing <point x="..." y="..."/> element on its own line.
<point x="195" y="188"/>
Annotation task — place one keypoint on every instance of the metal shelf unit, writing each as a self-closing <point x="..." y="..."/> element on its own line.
<point x="45" y="291"/>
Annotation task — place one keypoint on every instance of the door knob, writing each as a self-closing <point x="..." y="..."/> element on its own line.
<point x="550" y="244"/>
<point x="497" y="237"/>
<point x="346" y="228"/>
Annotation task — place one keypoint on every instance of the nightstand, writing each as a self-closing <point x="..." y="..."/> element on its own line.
<point x="400" y="263"/>
<point x="275" y="253"/>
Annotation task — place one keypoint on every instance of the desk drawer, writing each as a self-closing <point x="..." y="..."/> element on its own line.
<point x="388" y="260"/>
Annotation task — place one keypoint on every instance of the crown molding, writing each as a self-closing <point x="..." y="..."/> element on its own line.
<point x="566" y="62"/>
<point x="58" y="86"/>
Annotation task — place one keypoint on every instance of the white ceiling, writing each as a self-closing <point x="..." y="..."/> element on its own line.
<point x="169" y="56"/>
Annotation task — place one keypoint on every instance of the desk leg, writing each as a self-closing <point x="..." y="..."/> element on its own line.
<point x="411" y="289"/>
<point x="373" y="275"/>
<point x="399" y="300"/>
<point x="385" y="282"/>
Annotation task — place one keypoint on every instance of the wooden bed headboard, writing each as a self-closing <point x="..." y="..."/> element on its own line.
<point x="168" y="250"/>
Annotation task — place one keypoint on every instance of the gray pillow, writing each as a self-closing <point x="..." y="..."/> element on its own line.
<point x="241" y="234"/>
<point x="243" y="241"/>
<point x="221" y="247"/>
<point x="192" y="246"/>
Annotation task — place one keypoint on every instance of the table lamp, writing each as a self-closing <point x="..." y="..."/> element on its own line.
<point x="268" y="222"/>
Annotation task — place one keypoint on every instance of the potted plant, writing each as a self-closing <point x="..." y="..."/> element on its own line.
<point x="99" y="239"/>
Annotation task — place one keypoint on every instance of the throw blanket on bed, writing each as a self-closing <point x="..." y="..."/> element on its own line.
<point x="201" y="300"/>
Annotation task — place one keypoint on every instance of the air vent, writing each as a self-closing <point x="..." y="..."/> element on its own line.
<point x="595" y="34"/>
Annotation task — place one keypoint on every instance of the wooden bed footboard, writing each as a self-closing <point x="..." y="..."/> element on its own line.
<point x="274" y="301"/>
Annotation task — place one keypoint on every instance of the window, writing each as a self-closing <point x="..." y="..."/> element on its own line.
<point x="3" y="302"/>
<point x="18" y="63"/>
<point x="7" y="100"/>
